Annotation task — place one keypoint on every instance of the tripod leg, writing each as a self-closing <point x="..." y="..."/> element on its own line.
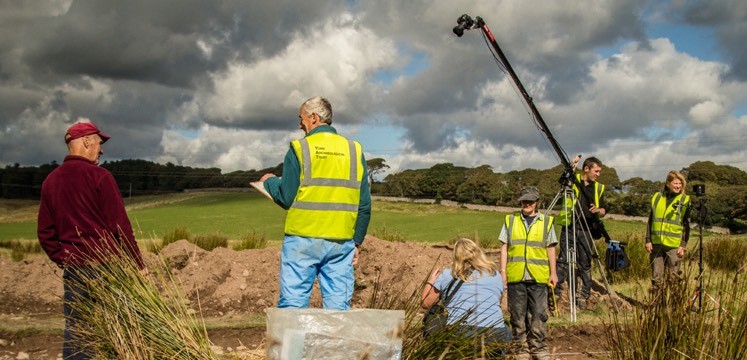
<point x="588" y="242"/>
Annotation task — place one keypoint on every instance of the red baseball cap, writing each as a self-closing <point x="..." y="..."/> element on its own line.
<point x="81" y="129"/>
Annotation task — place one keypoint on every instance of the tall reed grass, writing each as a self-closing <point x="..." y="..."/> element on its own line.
<point x="670" y="325"/>
<point x="133" y="316"/>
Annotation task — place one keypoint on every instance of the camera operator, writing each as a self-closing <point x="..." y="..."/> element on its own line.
<point x="668" y="228"/>
<point x="590" y="199"/>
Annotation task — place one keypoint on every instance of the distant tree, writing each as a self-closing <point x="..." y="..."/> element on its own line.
<point x="375" y="166"/>
<point x="722" y="174"/>
<point x="404" y="183"/>
<point x="480" y="186"/>
<point x="640" y="186"/>
<point x="443" y="179"/>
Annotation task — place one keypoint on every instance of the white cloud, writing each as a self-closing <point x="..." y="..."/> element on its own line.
<point x="229" y="150"/>
<point x="336" y="59"/>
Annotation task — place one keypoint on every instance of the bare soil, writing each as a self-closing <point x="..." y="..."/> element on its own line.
<point x="228" y="283"/>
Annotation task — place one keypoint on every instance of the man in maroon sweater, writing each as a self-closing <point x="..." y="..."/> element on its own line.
<point x="82" y="219"/>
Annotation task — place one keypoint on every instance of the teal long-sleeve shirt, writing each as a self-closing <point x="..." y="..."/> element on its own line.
<point x="283" y="190"/>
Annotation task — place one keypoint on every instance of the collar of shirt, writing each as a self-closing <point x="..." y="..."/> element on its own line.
<point x="76" y="157"/>
<point x="322" y="128"/>
<point x="536" y="216"/>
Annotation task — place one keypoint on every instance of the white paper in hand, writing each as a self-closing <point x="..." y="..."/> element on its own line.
<point x="260" y="186"/>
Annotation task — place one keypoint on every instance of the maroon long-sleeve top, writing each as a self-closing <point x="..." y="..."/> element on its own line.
<point x="82" y="215"/>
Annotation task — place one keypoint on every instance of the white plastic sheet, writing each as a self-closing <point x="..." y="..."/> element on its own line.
<point x="294" y="334"/>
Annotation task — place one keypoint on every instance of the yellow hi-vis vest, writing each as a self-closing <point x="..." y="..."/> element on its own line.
<point x="565" y="217"/>
<point x="326" y="204"/>
<point x="528" y="251"/>
<point x="666" y="222"/>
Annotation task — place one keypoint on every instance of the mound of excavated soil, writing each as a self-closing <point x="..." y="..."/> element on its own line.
<point x="223" y="280"/>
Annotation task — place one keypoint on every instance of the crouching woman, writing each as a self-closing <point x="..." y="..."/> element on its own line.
<point x="471" y="291"/>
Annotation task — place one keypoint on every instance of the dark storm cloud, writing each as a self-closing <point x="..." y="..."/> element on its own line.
<point x="729" y="19"/>
<point x="143" y="59"/>
<point x="158" y="40"/>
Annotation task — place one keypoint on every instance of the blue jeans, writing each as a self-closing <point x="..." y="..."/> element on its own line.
<point x="74" y="283"/>
<point x="304" y="259"/>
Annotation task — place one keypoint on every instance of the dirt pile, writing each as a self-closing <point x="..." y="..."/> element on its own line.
<point x="226" y="281"/>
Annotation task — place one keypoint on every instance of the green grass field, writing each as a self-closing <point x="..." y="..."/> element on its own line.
<point x="235" y="214"/>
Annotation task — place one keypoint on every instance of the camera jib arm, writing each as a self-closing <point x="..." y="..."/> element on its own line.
<point x="465" y="22"/>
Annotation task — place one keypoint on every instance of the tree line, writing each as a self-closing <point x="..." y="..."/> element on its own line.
<point x="726" y="186"/>
<point x="134" y="177"/>
<point x="725" y="199"/>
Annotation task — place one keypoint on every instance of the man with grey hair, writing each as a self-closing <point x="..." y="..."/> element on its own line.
<point x="325" y="189"/>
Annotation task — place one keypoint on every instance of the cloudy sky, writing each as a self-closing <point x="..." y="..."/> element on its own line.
<point x="647" y="86"/>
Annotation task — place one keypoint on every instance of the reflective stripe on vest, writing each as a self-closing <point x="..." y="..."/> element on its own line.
<point x="565" y="217"/>
<point x="326" y="204"/>
<point x="666" y="220"/>
<point x="528" y="251"/>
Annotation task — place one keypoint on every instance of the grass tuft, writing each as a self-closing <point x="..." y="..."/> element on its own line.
<point x="174" y="235"/>
<point x="725" y="253"/>
<point x="20" y="248"/>
<point x="209" y="242"/>
<point x="251" y="240"/>
<point x="389" y="234"/>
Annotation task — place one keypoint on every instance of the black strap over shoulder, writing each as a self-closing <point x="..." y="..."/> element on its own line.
<point x="448" y="294"/>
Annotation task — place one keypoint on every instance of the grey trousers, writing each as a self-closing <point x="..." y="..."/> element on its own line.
<point x="582" y="244"/>
<point x="663" y="259"/>
<point x="527" y="304"/>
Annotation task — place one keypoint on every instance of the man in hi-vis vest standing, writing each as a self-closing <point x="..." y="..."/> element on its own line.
<point x="325" y="189"/>
<point x="589" y="199"/>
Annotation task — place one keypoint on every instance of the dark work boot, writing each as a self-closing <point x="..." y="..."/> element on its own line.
<point x="581" y="304"/>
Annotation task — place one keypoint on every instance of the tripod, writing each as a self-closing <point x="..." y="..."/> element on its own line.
<point x="571" y="235"/>
<point x="702" y="214"/>
<point x="465" y="22"/>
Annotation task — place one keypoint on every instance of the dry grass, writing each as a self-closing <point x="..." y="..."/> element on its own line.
<point x="132" y="316"/>
<point x="671" y="325"/>
<point x="16" y="211"/>
<point x="251" y="240"/>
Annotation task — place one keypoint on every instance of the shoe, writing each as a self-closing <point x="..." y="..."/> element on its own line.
<point x="581" y="304"/>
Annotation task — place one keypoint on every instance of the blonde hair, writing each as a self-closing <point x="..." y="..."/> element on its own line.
<point x="675" y="175"/>
<point x="468" y="257"/>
